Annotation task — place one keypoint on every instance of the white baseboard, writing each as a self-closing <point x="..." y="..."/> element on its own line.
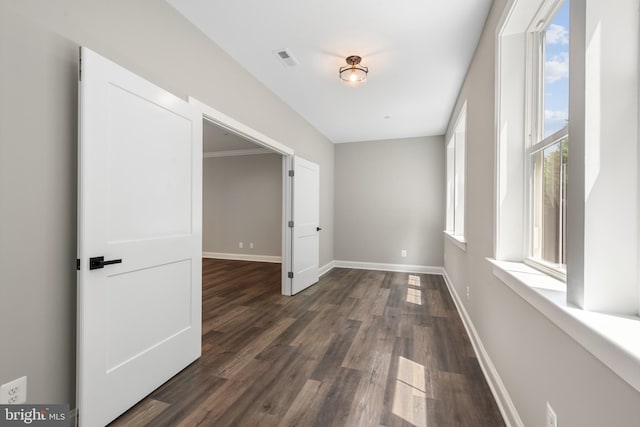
<point x="326" y="268"/>
<point x="242" y="257"/>
<point x="401" y="268"/>
<point x="507" y="408"/>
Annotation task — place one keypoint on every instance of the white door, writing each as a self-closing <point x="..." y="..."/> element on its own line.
<point x="306" y="220"/>
<point x="139" y="207"/>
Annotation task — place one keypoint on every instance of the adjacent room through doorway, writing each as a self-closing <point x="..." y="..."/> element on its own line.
<point x="242" y="198"/>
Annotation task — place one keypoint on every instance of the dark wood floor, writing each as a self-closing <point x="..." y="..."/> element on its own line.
<point x="360" y="348"/>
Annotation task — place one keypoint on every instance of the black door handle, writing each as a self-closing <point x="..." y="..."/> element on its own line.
<point x="318" y="229"/>
<point x="99" y="262"/>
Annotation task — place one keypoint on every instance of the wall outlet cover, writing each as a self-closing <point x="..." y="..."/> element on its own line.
<point x="14" y="392"/>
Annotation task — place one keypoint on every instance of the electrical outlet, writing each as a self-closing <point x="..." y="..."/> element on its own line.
<point x="14" y="392"/>
<point x="468" y="293"/>
<point x="403" y="253"/>
<point x="552" y="419"/>
<point x="241" y="245"/>
<point x="251" y="245"/>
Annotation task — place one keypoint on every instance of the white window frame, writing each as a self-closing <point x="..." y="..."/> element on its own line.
<point x="456" y="180"/>
<point x="534" y="127"/>
<point x="599" y="306"/>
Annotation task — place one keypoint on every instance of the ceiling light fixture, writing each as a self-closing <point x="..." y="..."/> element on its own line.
<point x="354" y="73"/>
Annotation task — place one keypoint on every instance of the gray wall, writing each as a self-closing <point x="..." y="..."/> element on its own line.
<point x="389" y="197"/>
<point x="535" y="359"/>
<point x="242" y="200"/>
<point x="38" y="120"/>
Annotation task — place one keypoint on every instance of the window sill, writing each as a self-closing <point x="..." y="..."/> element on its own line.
<point x="545" y="268"/>
<point x="614" y="340"/>
<point x="457" y="240"/>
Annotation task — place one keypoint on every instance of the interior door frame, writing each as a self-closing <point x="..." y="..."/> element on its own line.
<point x="228" y="123"/>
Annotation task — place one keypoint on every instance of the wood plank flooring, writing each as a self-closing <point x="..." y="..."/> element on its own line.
<point x="360" y="348"/>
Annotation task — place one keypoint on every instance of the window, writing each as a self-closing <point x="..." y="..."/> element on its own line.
<point x="571" y="182"/>
<point x="455" y="177"/>
<point x="537" y="182"/>
<point x="548" y="147"/>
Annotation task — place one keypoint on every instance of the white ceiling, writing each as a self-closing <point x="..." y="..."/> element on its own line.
<point x="417" y="51"/>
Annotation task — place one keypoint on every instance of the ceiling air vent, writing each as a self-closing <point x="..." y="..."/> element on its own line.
<point x="286" y="57"/>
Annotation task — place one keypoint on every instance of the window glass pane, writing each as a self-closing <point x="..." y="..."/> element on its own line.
<point x="455" y="176"/>
<point x="550" y="203"/>
<point x="556" y="72"/>
<point x="450" y="178"/>
<point x="459" y="184"/>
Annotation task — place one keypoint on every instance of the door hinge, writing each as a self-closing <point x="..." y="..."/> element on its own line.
<point x="77" y="263"/>
<point x="290" y="224"/>
<point x="79" y="65"/>
<point x="290" y="275"/>
<point x="291" y="173"/>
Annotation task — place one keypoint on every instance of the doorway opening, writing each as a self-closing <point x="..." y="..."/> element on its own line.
<point x="244" y="135"/>
<point x="242" y="199"/>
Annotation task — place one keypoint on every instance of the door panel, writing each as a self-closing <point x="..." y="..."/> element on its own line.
<point x="306" y="218"/>
<point x="137" y="323"/>
<point x="139" y="201"/>
<point x="157" y="203"/>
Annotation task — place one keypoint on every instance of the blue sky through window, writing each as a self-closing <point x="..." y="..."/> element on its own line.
<point x="556" y="72"/>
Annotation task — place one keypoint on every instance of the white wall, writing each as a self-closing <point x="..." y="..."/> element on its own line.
<point x="38" y="135"/>
<point x="242" y="202"/>
<point x="535" y="359"/>
<point x="390" y="196"/>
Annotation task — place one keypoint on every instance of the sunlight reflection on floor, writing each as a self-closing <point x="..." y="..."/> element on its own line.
<point x="409" y="399"/>
<point x="414" y="280"/>
<point x="414" y="296"/>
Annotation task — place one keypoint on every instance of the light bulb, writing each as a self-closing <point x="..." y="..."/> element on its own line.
<point x="353" y="77"/>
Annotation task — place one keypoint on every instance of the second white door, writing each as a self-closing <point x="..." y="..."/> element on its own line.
<point x="306" y="224"/>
